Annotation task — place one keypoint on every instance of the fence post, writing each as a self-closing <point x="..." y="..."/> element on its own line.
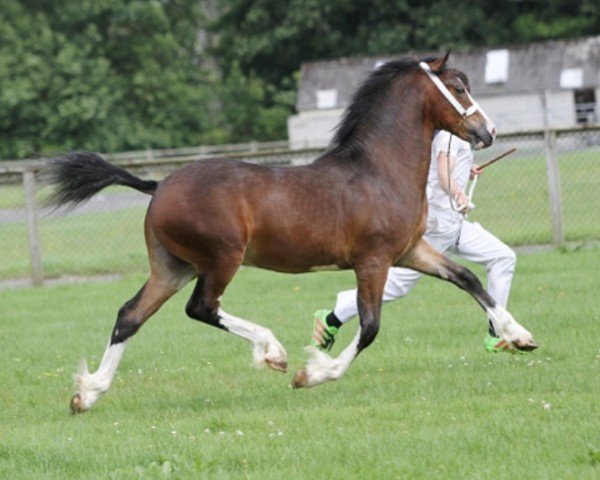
<point x="35" y="257"/>
<point x="553" y="174"/>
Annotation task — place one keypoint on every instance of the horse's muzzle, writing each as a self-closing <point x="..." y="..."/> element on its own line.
<point x="484" y="139"/>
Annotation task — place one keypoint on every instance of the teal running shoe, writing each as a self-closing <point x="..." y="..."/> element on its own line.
<point x="323" y="334"/>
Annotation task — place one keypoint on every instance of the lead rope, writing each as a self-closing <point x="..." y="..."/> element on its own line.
<point x="450" y="199"/>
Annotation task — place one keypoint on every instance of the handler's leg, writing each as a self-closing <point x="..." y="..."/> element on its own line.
<point x="426" y="260"/>
<point x="480" y="246"/>
<point x="400" y="281"/>
<point x="326" y="323"/>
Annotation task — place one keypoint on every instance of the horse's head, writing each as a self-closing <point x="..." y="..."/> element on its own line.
<point x="453" y="107"/>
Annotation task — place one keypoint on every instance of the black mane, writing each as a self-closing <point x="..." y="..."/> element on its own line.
<point x="373" y="88"/>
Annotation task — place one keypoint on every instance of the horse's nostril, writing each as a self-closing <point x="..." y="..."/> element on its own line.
<point x="494" y="132"/>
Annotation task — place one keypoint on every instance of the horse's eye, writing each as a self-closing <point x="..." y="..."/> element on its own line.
<point x="460" y="91"/>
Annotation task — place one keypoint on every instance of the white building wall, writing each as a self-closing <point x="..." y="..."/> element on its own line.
<point x="522" y="112"/>
<point x="561" y="109"/>
<point x="313" y="129"/>
<point x="510" y="113"/>
<point x="514" y="113"/>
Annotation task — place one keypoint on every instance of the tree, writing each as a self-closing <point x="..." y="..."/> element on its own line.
<point x="103" y="75"/>
<point x="267" y="40"/>
<point x="271" y="38"/>
<point x="42" y="92"/>
<point x="118" y="74"/>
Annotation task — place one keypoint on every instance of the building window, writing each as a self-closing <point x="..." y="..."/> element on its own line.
<point x="585" y="106"/>
<point x="571" y="78"/>
<point x="326" y="98"/>
<point x="496" y="66"/>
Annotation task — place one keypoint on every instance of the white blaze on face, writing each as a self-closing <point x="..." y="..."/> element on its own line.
<point x="489" y="125"/>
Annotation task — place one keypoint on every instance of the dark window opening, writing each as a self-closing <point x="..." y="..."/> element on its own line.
<point x="585" y="106"/>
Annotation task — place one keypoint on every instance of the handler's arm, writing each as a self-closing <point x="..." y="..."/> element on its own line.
<point x="450" y="188"/>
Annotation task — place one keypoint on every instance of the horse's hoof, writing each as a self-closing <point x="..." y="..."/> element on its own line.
<point x="300" y="379"/>
<point x="526" y="346"/>
<point x="77" y="405"/>
<point x="280" y="366"/>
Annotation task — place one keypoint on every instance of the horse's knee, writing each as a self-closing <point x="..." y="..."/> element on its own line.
<point x="368" y="333"/>
<point x="463" y="278"/>
<point x="203" y="306"/>
<point x="130" y="317"/>
<point x="471" y="280"/>
<point x="126" y="326"/>
<point x="199" y="310"/>
<point x="466" y="280"/>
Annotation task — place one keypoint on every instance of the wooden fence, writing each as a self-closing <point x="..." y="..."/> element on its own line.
<point x="550" y="144"/>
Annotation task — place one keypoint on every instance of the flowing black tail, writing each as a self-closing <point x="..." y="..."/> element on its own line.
<point x="80" y="175"/>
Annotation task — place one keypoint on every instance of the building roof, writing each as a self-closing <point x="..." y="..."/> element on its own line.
<point x="566" y="64"/>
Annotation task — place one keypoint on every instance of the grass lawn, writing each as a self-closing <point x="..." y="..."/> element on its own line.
<point x="85" y="244"/>
<point x="425" y="401"/>
<point x="511" y="198"/>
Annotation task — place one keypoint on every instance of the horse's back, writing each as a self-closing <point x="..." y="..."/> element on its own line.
<point x="280" y="218"/>
<point x="224" y="205"/>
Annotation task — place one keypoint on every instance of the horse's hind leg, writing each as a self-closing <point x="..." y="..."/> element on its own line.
<point x="204" y="305"/>
<point x="168" y="276"/>
<point x="425" y="259"/>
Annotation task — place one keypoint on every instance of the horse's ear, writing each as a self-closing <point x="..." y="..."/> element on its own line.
<point x="439" y="63"/>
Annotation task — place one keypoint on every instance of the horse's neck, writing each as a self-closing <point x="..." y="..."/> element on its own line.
<point x="394" y="140"/>
<point x="404" y="152"/>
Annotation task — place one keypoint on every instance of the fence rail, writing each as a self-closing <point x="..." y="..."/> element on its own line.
<point x="11" y="170"/>
<point x="546" y="193"/>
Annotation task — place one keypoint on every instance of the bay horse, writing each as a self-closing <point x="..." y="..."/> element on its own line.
<point x="361" y="205"/>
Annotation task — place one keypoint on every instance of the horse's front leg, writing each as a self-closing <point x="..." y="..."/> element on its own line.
<point x="204" y="305"/>
<point x="320" y="368"/>
<point x="425" y="259"/>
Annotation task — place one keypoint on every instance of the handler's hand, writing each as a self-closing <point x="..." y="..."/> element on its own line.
<point x="462" y="203"/>
<point x="475" y="171"/>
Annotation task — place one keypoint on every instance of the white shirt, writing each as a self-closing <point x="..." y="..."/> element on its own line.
<point x="439" y="201"/>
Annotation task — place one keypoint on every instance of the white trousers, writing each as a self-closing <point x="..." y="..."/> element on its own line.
<point x="465" y="239"/>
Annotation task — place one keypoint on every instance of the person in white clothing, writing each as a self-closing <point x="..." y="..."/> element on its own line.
<point x="449" y="232"/>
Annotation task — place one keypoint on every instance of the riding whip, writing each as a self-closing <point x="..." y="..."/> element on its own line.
<point x="494" y="160"/>
<point x="481" y="167"/>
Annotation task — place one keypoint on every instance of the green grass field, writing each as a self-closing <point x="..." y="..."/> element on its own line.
<point x="511" y="198"/>
<point x="425" y="401"/>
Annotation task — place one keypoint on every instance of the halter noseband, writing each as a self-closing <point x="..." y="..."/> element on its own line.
<point x="462" y="111"/>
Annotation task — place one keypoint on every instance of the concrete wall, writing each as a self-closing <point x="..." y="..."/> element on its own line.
<point x="312" y="129"/>
<point x="531" y="111"/>
<point x="514" y="113"/>
<point x="511" y="113"/>
<point x="561" y="109"/>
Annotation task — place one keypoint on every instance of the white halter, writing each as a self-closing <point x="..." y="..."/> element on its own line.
<point x="462" y="111"/>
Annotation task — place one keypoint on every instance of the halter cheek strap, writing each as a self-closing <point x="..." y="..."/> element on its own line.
<point x="462" y="111"/>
